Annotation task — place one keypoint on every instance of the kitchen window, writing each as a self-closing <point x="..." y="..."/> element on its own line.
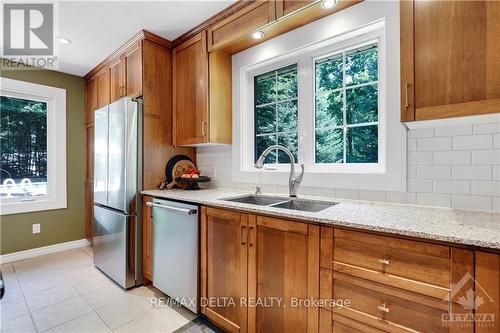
<point x="33" y="149"/>
<point x="344" y="97"/>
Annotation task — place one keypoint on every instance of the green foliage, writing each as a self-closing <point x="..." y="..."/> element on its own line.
<point x="362" y="144"/>
<point x="23" y="138"/>
<point x="276" y="113"/>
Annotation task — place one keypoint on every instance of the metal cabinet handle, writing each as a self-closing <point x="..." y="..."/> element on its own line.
<point x="203" y="128"/>
<point x="242" y="238"/>
<point x="187" y="211"/>
<point x="250" y="241"/>
<point x="383" y="261"/>
<point x="407" y="99"/>
<point x="383" y="308"/>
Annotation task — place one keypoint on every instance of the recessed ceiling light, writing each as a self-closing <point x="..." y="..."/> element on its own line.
<point x="257" y="35"/>
<point x="327" y="4"/>
<point x="64" y="40"/>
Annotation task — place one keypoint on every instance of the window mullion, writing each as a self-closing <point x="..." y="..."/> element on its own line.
<point x="344" y="108"/>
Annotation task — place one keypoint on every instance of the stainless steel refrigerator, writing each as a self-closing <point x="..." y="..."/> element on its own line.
<point x="117" y="183"/>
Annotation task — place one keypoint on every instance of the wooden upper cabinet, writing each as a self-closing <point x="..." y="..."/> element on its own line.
<point x="91" y="101"/>
<point x="116" y="79"/>
<point x="133" y="70"/>
<point x="285" y="7"/>
<point x="241" y="24"/>
<point x="125" y="73"/>
<point x="224" y="267"/>
<point x="190" y="91"/>
<point x="102" y="88"/>
<point x="449" y="58"/>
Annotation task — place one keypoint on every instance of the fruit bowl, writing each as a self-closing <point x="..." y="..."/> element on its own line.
<point x="192" y="183"/>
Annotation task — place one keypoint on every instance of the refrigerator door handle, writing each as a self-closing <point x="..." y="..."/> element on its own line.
<point x="172" y="208"/>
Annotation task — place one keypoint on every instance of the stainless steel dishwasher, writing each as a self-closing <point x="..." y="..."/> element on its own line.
<point x="175" y="251"/>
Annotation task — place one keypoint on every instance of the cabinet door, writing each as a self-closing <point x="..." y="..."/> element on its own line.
<point x="190" y="91"/>
<point x="456" y="70"/>
<point x="487" y="275"/>
<point x="147" y="239"/>
<point x="133" y="71"/>
<point x="102" y="89"/>
<point x="89" y="209"/>
<point x="241" y="24"/>
<point x="283" y="265"/>
<point x="116" y="85"/>
<point x="285" y="7"/>
<point x="91" y="100"/>
<point x="224" y="268"/>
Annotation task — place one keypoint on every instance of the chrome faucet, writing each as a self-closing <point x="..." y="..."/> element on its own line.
<point x="293" y="182"/>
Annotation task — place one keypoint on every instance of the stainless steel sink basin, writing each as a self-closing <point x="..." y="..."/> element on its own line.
<point x="285" y="203"/>
<point x="305" y="205"/>
<point x="259" y="200"/>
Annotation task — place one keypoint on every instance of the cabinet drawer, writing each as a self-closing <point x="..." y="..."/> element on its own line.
<point x="387" y="308"/>
<point x="411" y="265"/>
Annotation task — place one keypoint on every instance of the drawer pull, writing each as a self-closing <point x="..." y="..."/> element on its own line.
<point x="383" y="261"/>
<point x="383" y="308"/>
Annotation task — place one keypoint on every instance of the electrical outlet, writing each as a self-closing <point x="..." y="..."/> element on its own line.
<point x="213" y="172"/>
<point x="36" y="228"/>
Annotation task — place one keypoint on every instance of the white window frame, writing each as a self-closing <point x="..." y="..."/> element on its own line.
<point x="56" y="197"/>
<point x="361" y="24"/>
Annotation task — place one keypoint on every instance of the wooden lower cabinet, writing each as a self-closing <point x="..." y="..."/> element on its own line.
<point x="487" y="270"/>
<point x="89" y="209"/>
<point x="224" y="268"/>
<point x="268" y="268"/>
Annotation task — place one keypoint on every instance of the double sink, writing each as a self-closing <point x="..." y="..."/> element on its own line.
<point x="285" y="203"/>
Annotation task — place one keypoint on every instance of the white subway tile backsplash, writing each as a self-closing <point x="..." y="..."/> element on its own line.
<point x="496" y="172"/>
<point x="419" y="185"/>
<point x="486" y="157"/>
<point x="472" y="142"/>
<point x="420" y="158"/>
<point x="412" y="145"/>
<point x="451" y="186"/>
<point x="479" y="187"/>
<point x="402" y="197"/>
<point x="421" y="133"/>
<point x="433" y="199"/>
<point x="487" y="128"/>
<point x="454" y="130"/>
<point x="456" y="167"/>
<point x="434" y="171"/>
<point x="434" y="144"/>
<point x="347" y="194"/>
<point x="471" y="172"/>
<point x="372" y="195"/>
<point x="452" y="157"/>
<point x="471" y="202"/>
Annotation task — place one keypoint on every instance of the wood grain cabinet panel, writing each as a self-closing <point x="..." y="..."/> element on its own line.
<point x="450" y="53"/>
<point x="116" y="79"/>
<point x="224" y="267"/>
<point x="89" y="209"/>
<point x="102" y="88"/>
<point x="201" y="93"/>
<point x="285" y="7"/>
<point x="487" y="276"/>
<point x="90" y="100"/>
<point x="133" y="71"/>
<point x="147" y="239"/>
<point x="240" y="24"/>
<point x="283" y="264"/>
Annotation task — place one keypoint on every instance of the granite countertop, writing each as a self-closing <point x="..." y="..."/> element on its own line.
<point x="481" y="229"/>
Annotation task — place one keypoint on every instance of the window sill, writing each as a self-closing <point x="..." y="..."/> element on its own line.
<point x="18" y="207"/>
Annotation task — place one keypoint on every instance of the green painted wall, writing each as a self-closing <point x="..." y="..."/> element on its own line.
<point x="61" y="225"/>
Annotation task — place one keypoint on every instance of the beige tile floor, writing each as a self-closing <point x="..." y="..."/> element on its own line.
<point x="64" y="292"/>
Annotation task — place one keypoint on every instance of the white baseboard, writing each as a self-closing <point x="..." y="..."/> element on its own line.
<point x="40" y="251"/>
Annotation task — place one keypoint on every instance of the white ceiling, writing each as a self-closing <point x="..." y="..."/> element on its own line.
<point x="97" y="28"/>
